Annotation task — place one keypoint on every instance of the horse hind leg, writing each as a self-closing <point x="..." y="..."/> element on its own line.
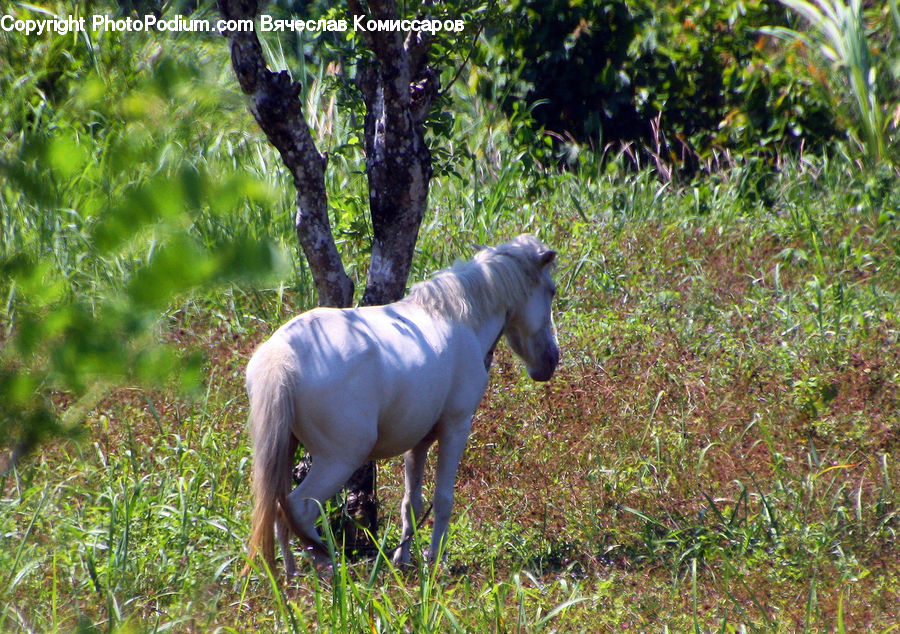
<point x="283" y="532"/>
<point x="325" y="478"/>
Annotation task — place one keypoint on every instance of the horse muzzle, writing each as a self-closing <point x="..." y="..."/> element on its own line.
<point x="545" y="370"/>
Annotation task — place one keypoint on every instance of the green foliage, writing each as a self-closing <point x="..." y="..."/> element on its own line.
<point x="691" y="83"/>
<point x="718" y="87"/>
<point x="571" y="55"/>
<point x="841" y="35"/>
<point x="104" y="205"/>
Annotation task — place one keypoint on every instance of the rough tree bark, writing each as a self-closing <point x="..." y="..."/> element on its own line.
<point x="276" y="107"/>
<point x="398" y="88"/>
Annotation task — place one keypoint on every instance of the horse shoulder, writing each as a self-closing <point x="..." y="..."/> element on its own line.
<point x="470" y="378"/>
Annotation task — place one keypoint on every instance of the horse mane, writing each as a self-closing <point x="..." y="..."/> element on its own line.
<point x="470" y="290"/>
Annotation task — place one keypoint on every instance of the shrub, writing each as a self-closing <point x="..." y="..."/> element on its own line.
<point x="689" y="81"/>
<point x="842" y="38"/>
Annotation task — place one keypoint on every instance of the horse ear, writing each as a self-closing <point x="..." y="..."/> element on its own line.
<point x="548" y="258"/>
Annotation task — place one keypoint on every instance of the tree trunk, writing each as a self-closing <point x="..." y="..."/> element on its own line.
<point x="398" y="89"/>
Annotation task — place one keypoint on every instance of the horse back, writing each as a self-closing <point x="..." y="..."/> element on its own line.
<point x="393" y="371"/>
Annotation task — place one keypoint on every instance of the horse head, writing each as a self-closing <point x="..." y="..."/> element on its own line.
<point x="530" y="331"/>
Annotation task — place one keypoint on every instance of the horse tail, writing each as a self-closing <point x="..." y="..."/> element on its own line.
<point x="270" y="379"/>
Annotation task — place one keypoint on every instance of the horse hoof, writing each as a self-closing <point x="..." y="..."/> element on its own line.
<point x="403" y="565"/>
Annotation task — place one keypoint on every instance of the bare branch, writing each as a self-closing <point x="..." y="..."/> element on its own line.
<point x="465" y="61"/>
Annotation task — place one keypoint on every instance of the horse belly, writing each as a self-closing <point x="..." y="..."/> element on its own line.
<point x="370" y="368"/>
<point x="415" y="404"/>
<point x="402" y="428"/>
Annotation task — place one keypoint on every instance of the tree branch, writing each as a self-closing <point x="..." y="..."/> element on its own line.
<point x="275" y="105"/>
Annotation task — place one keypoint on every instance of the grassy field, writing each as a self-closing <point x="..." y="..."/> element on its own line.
<point x="718" y="450"/>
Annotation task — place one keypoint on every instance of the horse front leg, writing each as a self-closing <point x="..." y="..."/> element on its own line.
<point x="451" y="444"/>
<point x="411" y="507"/>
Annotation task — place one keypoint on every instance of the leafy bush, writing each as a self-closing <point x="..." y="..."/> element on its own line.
<point x="716" y="83"/>
<point x="688" y="81"/>
<point x="573" y="56"/>
<point x="841" y="37"/>
<point x="106" y="207"/>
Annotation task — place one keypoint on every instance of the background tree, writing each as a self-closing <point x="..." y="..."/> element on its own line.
<point x="398" y="87"/>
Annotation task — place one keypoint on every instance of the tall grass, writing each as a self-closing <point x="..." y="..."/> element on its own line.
<point x="709" y="476"/>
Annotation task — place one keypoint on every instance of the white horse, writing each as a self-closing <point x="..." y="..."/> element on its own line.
<point x="374" y="382"/>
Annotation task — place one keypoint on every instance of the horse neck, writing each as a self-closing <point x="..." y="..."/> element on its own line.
<point x="489" y="332"/>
